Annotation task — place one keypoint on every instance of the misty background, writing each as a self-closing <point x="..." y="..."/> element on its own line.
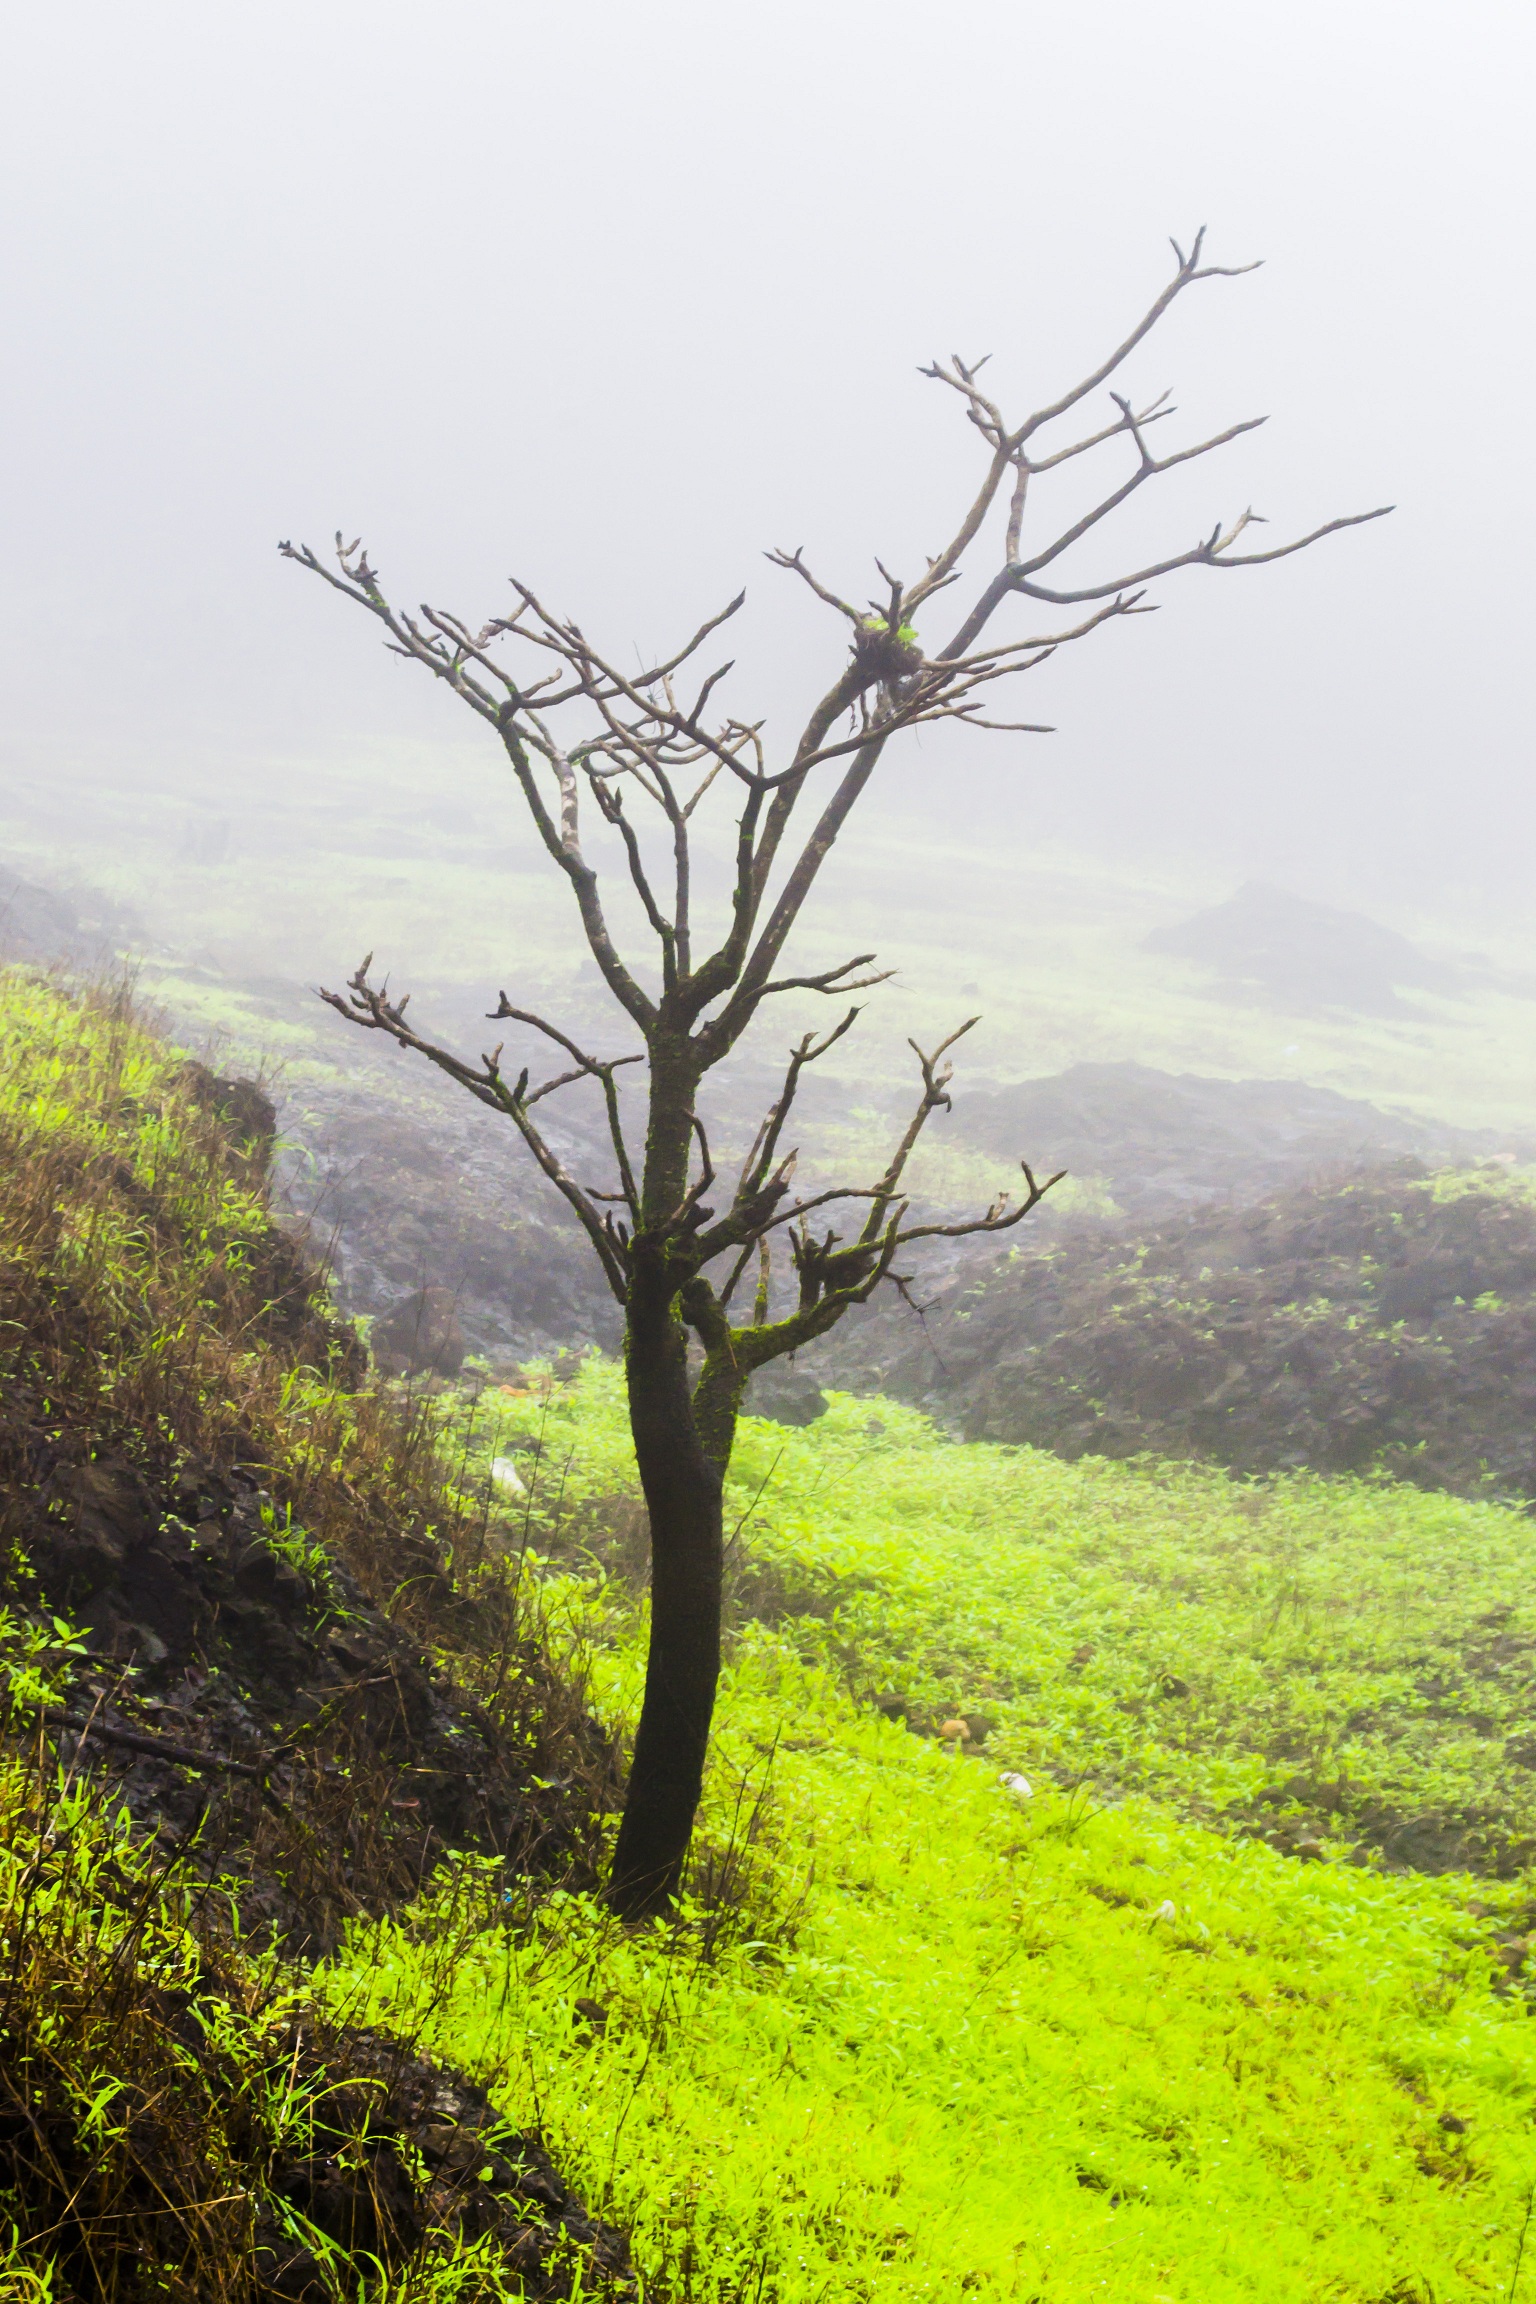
<point x="619" y="299"/>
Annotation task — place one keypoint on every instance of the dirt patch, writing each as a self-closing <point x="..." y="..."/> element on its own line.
<point x="164" y="2112"/>
<point x="403" y="2149"/>
<point x="247" y="1687"/>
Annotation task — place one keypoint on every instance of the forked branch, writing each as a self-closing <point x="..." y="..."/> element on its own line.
<point x="640" y="750"/>
<point x="370" y="1007"/>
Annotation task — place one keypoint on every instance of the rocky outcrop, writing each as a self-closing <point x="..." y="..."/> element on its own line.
<point x="1161" y="1141"/>
<point x="1264" y="944"/>
<point x="1387" y="1323"/>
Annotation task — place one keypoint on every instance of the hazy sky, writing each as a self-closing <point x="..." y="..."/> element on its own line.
<point x="620" y="296"/>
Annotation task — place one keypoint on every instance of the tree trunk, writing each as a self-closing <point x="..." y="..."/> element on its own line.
<point x="684" y="1497"/>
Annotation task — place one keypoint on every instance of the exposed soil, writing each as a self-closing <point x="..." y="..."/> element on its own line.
<point x="400" y="2157"/>
<point x="275" y="1720"/>
<point x="349" y="1761"/>
<point x="381" y="2108"/>
<point x="307" y="1737"/>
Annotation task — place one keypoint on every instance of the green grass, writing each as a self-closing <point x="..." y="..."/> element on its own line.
<point x="1081" y="2046"/>
<point x="1372" y="1642"/>
<point x="914" y="2037"/>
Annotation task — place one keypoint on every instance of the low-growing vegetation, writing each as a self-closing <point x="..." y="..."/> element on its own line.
<point x="1291" y="1656"/>
<point x="258" y="1673"/>
<point x="1112" y="1879"/>
<point x="1383" y="1321"/>
<point x="1158" y="2020"/>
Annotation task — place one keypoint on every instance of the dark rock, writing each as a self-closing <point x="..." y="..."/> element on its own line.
<point x="380" y="2110"/>
<point x="44" y="925"/>
<point x="34" y="920"/>
<point x="244" y="1110"/>
<point x="407" y="1196"/>
<point x="1375" y="1324"/>
<point x="785" y="1395"/>
<point x="421" y="1336"/>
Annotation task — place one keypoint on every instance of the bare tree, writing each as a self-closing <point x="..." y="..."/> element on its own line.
<point x="682" y="1248"/>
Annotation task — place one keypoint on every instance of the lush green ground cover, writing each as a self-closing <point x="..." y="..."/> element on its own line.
<point x="1077" y="2046"/>
<point x="916" y="2037"/>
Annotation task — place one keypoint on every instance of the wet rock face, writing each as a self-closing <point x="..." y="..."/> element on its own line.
<point x="421" y="1336"/>
<point x="438" y="1204"/>
<point x="785" y="1394"/>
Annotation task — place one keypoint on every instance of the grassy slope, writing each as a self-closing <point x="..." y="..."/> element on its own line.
<point x="1079" y="2047"/>
<point x="161" y="2079"/>
<point x="919" y="2039"/>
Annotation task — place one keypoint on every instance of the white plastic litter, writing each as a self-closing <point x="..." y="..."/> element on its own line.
<point x="1019" y="1786"/>
<point x="1167" y="1910"/>
<point x="504" y="1473"/>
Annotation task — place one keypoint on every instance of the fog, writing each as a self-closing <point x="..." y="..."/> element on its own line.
<point x="620" y="298"/>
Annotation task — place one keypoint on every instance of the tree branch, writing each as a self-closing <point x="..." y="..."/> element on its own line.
<point x="370" y="1008"/>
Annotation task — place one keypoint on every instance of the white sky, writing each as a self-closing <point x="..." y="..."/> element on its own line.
<point x="620" y="296"/>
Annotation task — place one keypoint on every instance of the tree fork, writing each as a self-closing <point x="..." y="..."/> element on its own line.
<point x="671" y="1260"/>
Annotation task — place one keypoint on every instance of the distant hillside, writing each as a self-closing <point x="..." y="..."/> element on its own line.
<point x="42" y="923"/>
<point x="1385" y="1323"/>
<point x="418" y="1194"/>
<point x="1266" y="944"/>
<point x="1160" y="1141"/>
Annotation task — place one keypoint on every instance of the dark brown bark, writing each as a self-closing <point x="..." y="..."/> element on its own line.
<point x="684" y="1490"/>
